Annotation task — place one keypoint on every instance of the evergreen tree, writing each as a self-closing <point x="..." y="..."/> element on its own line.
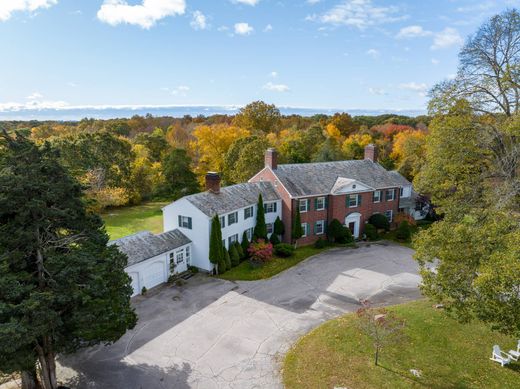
<point x="260" y="228"/>
<point x="297" y="230"/>
<point x="233" y="254"/>
<point x="279" y="228"/>
<point x="240" y="250"/>
<point x="227" y="259"/>
<point x="63" y="287"/>
<point x="245" y="245"/>
<point x="274" y="239"/>
<point x="215" y="244"/>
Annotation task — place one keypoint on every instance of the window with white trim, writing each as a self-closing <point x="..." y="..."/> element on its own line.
<point x="185" y="222"/>
<point x="353" y="201"/>
<point x="306" y="229"/>
<point x="304" y="205"/>
<point x="269" y="207"/>
<point x="249" y="233"/>
<point x="389" y="215"/>
<point x="179" y="256"/>
<point x="376" y="196"/>
<point x="232" y="239"/>
<point x="270" y="228"/>
<point x="232" y="218"/>
<point x="320" y="203"/>
<point x="390" y="195"/>
<point x="222" y="221"/>
<point x="188" y="255"/>
<point x="248" y="212"/>
<point x="319" y="227"/>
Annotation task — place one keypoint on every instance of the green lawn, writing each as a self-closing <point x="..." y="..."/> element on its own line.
<point x="246" y="272"/>
<point x="128" y="220"/>
<point x="449" y="355"/>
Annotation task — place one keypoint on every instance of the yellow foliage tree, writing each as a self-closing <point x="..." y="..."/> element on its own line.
<point x="409" y="152"/>
<point x="354" y="145"/>
<point x="332" y="131"/>
<point x="211" y="144"/>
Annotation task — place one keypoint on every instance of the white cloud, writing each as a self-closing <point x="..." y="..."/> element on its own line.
<point x="420" y="88"/>
<point x="373" y="53"/>
<point x="199" y="21"/>
<point x="273" y="74"/>
<point x="276" y="87"/>
<point x="243" y="28"/>
<point x="268" y="28"/>
<point x="180" y="90"/>
<point x="7" y="7"/>
<point x="32" y="105"/>
<point x="435" y="61"/>
<point x="34" y="96"/>
<point x="377" y="91"/>
<point x="312" y="2"/>
<point x="247" y="2"/>
<point x="412" y="32"/>
<point x="447" y="38"/>
<point x="145" y="15"/>
<point x="359" y="13"/>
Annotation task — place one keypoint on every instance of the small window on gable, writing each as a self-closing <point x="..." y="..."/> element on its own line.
<point x="185" y="222"/>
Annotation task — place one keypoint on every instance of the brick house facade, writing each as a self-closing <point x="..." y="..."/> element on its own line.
<point x="349" y="191"/>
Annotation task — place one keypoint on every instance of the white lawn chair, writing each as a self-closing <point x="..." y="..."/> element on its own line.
<point x="500" y="356"/>
<point x="515" y="354"/>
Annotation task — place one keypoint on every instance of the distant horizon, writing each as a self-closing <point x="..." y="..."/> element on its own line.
<point x="124" y="111"/>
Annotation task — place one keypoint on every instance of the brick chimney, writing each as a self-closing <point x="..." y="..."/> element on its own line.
<point x="213" y="182"/>
<point x="271" y="158"/>
<point x="371" y="152"/>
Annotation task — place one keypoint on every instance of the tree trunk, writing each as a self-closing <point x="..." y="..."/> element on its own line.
<point x="48" y="364"/>
<point x="377" y="355"/>
<point x="30" y="380"/>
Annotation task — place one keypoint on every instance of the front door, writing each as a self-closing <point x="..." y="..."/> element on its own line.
<point x="352" y="222"/>
<point x="352" y="227"/>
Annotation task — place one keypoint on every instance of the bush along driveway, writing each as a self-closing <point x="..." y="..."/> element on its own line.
<point x="214" y="333"/>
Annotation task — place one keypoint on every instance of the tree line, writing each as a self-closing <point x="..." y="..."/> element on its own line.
<point x="127" y="161"/>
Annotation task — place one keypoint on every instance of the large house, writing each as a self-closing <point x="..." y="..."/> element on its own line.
<point x="349" y="191"/>
<point x="236" y="205"/>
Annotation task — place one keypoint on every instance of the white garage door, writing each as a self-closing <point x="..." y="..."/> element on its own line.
<point x="154" y="275"/>
<point x="135" y="283"/>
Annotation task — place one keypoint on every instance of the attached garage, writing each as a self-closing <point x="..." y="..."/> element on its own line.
<point x="151" y="257"/>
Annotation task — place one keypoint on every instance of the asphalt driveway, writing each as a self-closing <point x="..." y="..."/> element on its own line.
<point x="219" y="334"/>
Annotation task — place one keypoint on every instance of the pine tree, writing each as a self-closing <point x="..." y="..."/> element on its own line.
<point x="240" y="250"/>
<point x="274" y="239"/>
<point x="63" y="287"/>
<point x="215" y="244"/>
<point x="233" y="254"/>
<point x="279" y="228"/>
<point x="297" y="230"/>
<point x="260" y="231"/>
<point x="227" y="259"/>
<point x="245" y="245"/>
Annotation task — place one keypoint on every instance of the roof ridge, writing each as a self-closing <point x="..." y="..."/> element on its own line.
<point x="322" y="162"/>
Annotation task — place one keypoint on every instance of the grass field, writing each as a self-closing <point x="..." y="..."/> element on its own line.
<point x="247" y="272"/>
<point x="448" y="354"/>
<point x="125" y="221"/>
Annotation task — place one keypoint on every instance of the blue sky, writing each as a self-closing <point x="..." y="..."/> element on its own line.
<point x="357" y="54"/>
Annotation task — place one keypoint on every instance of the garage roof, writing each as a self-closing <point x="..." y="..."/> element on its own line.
<point x="144" y="245"/>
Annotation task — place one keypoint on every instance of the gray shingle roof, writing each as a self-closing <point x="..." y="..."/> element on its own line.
<point x="400" y="178"/>
<point x="308" y="179"/>
<point x="144" y="245"/>
<point x="233" y="197"/>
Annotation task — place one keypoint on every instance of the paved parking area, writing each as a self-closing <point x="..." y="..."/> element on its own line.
<point x="219" y="334"/>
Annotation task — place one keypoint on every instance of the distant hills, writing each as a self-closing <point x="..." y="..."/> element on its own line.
<point x="112" y="112"/>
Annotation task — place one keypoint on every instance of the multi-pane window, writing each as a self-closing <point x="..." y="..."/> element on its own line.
<point x="185" y="222"/>
<point x="232" y="239"/>
<point x="389" y="215"/>
<point x="249" y="234"/>
<point x="306" y="229"/>
<point x="270" y="228"/>
<point x="180" y="256"/>
<point x="353" y="200"/>
<point x="376" y="196"/>
<point x="320" y="204"/>
<point x="188" y="255"/>
<point x="319" y="227"/>
<point x="304" y="205"/>
<point x="232" y="218"/>
<point x="222" y="221"/>
<point x="248" y="212"/>
<point x="390" y="194"/>
<point x="269" y="207"/>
